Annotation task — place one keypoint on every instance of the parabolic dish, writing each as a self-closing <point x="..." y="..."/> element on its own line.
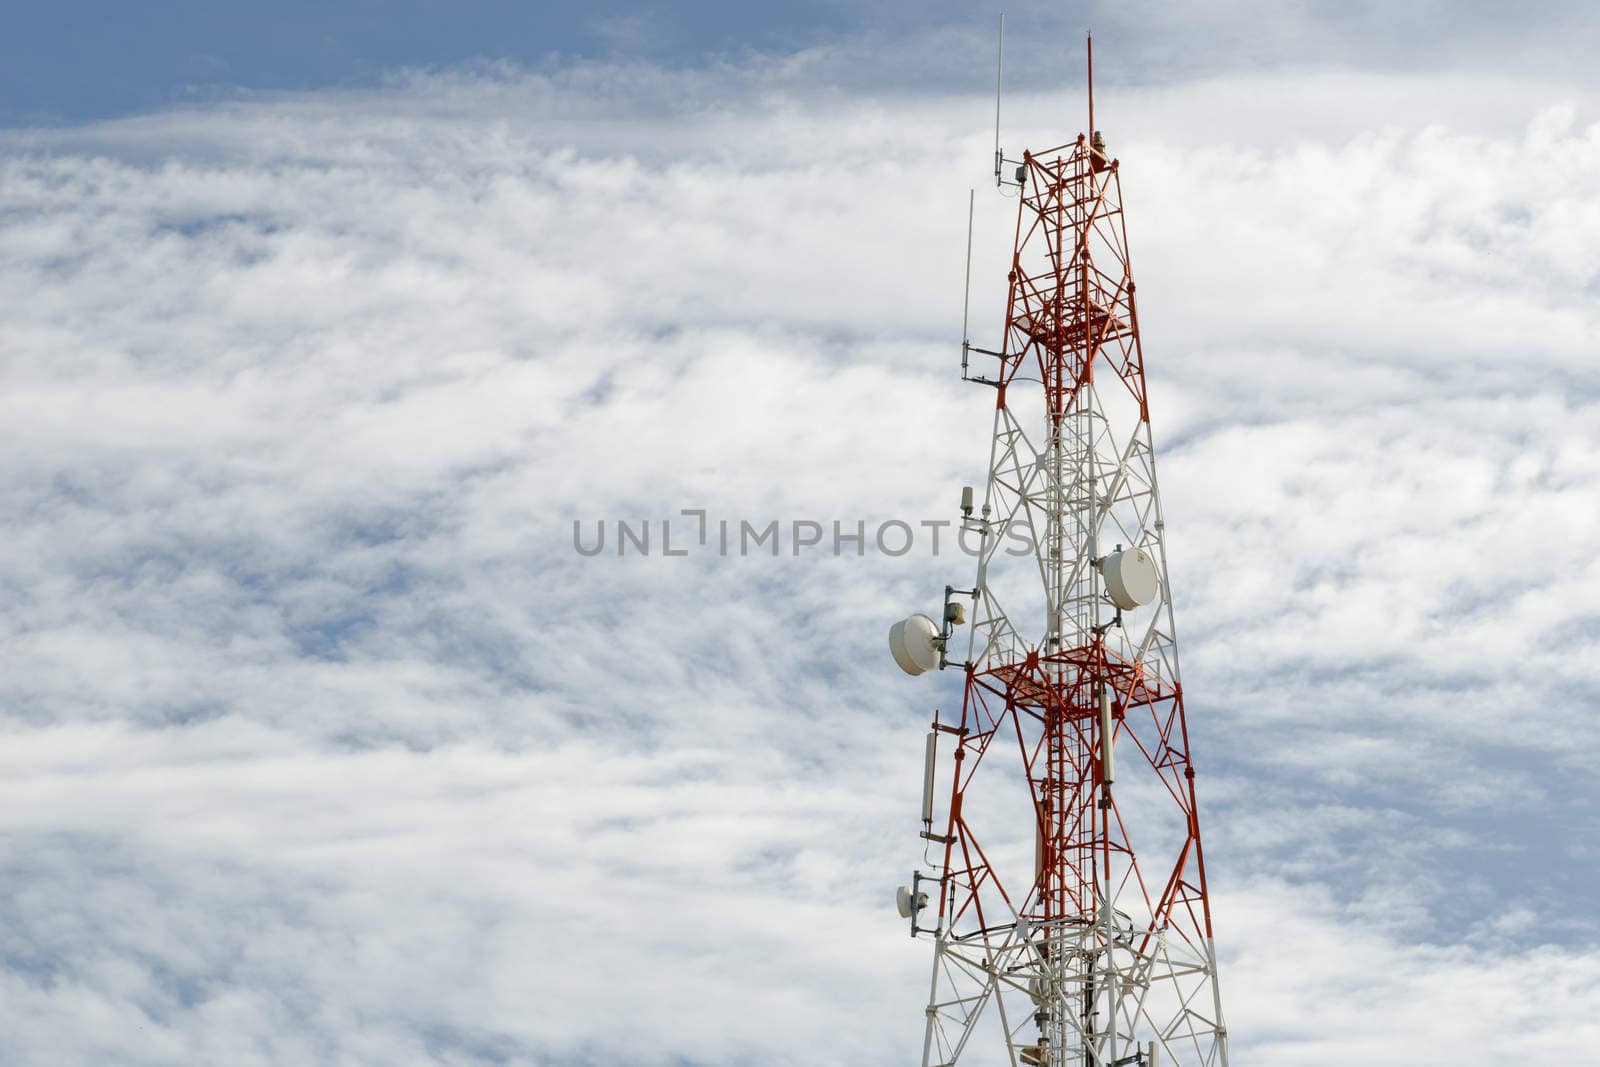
<point x="902" y="901"/>
<point x="1131" y="578"/>
<point x="911" y="641"/>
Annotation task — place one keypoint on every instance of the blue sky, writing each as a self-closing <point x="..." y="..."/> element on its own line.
<point x="74" y="61"/>
<point x="319" y="743"/>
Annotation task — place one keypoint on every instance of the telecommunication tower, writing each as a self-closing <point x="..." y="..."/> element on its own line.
<point x="1063" y="945"/>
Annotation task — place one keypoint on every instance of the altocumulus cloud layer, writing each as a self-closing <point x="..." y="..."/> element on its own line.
<point x="321" y="744"/>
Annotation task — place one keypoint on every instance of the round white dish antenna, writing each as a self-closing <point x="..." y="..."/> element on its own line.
<point x="908" y="903"/>
<point x="902" y="901"/>
<point x="914" y="644"/>
<point x="1131" y="578"/>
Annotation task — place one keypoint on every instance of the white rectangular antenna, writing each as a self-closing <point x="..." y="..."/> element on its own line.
<point x="1108" y="773"/>
<point x="929" y="757"/>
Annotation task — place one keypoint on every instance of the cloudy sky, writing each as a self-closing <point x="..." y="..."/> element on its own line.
<point x="321" y="328"/>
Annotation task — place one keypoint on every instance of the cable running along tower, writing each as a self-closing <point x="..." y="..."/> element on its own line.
<point x="1054" y="942"/>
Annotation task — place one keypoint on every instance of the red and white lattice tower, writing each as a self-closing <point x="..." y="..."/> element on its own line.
<point x="1054" y="941"/>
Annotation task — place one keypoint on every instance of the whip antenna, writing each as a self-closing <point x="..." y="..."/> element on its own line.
<point x="999" y="67"/>
<point x="966" y="299"/>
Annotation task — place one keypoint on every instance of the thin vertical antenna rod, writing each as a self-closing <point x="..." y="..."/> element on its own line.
<point x="1091" y="86"/>
<point x="999" y="66"/>
<point x="966" y="299"/>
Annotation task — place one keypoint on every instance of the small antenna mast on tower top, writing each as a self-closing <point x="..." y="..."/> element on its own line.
<point x="1090" y="51"/>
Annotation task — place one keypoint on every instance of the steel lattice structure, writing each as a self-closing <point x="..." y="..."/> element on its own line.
<point x="1084" y="952"/>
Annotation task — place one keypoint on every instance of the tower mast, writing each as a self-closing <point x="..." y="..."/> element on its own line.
<point x="1091" y="954"/>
